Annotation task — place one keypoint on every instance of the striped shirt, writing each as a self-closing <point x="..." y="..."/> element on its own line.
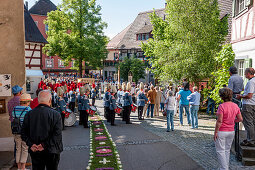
<point x="18" y="110"/>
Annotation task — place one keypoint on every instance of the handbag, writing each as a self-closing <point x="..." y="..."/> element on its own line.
<point x="164" y="112"/>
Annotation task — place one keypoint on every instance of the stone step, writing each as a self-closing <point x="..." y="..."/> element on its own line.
<point x="247" y="152"/>
<point x="248" y="161"/>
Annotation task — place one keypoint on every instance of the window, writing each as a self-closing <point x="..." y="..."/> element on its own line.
<point x="147" y="36"/>
<point x="240" y="5"/>
<point x="241" y="68"/>
<point x="46" y="28"/>
<point x="49" y="63"/>
<point x="36" y="23"/>
<point x="61" y="63"/>
<point x="144" y="37"/>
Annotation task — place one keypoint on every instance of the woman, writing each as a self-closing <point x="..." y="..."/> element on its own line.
<point x="61" y="105"/>
<point x="170" y="101"/>
<point x="141" y="99"/>
<point x="228" y="113"/>
<point x="162" y="100"/>
<point x="83" y="105"/>
<point x="19" y="113"/>
<point x="146" y="102"/>
<point x="126" y="103"/>
<point x="106" y="104"/>
<point x="113" y="106"/>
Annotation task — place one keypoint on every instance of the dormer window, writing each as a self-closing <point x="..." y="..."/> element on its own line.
<point x="143" y="36"/>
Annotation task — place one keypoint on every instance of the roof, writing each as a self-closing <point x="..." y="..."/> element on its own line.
<point x="42" y="7"/>
<point x="127" y="38"/>
<point x="146" y="29"/>
<point x="32" y="33"/>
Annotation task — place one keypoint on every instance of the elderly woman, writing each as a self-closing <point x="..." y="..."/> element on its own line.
<point x="141" y="99"/>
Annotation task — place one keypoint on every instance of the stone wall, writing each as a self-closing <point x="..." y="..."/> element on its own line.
<point x="12" y="52"/>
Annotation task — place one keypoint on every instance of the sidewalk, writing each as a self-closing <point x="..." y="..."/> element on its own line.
<point x="6" y="153"/>
<point x="198" y="144"/>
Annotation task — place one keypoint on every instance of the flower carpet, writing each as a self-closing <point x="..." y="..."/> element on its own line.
<point x="103" y="152"/>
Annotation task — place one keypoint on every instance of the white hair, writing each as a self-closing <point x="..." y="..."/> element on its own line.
<point x="44" y="96"/>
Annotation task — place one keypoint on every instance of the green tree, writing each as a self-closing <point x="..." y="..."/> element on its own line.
<point x="185" y="43"/>
<point x="225" y="59"/>
<point x="133" y="65"/>
<point x="76" y="33"/>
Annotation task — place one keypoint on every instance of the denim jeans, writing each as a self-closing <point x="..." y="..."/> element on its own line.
<point x="170" y="119"/>
<point x="162" y="106"/>
<point x="186" y="107"/>
<point x="210" y="107"/>
<point x="152" y="109"/>
<point x="193" y="111"/>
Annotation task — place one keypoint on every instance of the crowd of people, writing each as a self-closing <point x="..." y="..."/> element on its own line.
<point x="37" y="124"/>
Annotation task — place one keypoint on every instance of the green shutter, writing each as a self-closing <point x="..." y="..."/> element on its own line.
<point x="233" y="8"/>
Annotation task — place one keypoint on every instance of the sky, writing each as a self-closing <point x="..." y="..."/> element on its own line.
<point x="118" y="14"/>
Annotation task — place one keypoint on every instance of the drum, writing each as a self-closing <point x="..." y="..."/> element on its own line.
<point x="133" y="107"/>
<point x="70" y="118"/>
<point x="118" y="109"/>
<point x="92" y="110"/>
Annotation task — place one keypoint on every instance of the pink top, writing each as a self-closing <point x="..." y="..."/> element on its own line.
<point x="229" y="110"/>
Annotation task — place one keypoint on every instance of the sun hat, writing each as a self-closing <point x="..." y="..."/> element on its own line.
<point x="25" y="97"/>
<point x="16" y="89"/>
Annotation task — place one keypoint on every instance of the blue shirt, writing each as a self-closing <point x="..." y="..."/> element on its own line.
<point x="184" y="94"/>
<point x="17" y="110"/>
<point x="235" y="83"/>
<point x="194" y="99"/>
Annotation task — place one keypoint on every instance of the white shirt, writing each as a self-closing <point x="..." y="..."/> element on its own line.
<point x="170" y="101"/>
<point x="250" y="88"/>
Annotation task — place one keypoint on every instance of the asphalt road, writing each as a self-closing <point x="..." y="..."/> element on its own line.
<point x="139" y="149"/>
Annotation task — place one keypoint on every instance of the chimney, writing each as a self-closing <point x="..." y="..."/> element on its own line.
<point x="26" y="4"/>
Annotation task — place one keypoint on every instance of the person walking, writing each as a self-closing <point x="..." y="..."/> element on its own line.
<point x="18" y="115"/>
<point x="248" y="109"/>
<point x="141" y="100"/>
<point x="184" y="103"/>
<point x="170" y="101"/>
<point x="194" y="101"/>
<point x="157" y="101"/>
<point x="162" y="100"/>
<point x="228" y="113"/>
<point x="152" y="94"/>
<point x="42" y="132"/>
<point x="146" y="102"/>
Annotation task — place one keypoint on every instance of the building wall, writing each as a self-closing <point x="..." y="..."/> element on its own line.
<point x="12" y="52"/>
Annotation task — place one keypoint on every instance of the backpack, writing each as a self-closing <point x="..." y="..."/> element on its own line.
<point x="16" y="124"/>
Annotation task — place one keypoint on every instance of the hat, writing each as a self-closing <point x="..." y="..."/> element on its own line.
<point x="16" y="89"/>
<point x="25" y="97"/>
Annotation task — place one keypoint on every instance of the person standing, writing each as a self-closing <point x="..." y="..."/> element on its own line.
<point x="194" y="101"/>
<point x="235" y="82"/>
<point x="18" y="115"/>
<point x="61" y="105"/>
<point x="157" y="101"/>
<point x="83" y="106"/>
<point x="34" y="103"/>
<point x="72" y="100"/>
<point x="170" y="101"/>
<point x="93" y="94"/>
<point x="106" y="104"/>
<point x="184" y="103"/>
<point x="162" y="100"/>
<point x="228" y="113"/>
<point x="15" y="101"/>
<point x="127" y="102"/>
<point x="113" y="106"/>
<point x="141" y="100"/>
<point x="152" y="94"/>
<point x="42" y="132"/>
<point x="248" y="109"/>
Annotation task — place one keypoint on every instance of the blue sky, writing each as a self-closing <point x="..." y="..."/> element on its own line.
<point x="119" y="13"/>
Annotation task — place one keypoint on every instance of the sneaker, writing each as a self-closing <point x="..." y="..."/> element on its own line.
<point x="168" y="131"/>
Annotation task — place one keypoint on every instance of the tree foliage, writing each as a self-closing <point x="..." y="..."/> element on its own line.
<point x="132" y="65"/>
<point x="225" y="59"/>
<point x="185" y="43"/>
<point x="76" y="32"/>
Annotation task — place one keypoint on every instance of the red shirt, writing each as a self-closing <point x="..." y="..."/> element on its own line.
<point x="229" y="110"/>
<point x="34" y="103"/>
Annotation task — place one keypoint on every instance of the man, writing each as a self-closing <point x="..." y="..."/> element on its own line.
<point x="235" y="83"/>
<point x="42" y="132"/>
<point x="152" y="94"/>
<point x="194" y="101"/>
<point x="184" y="103"/>
<point x="15" y="101"/>
<point x="248" y="109"/>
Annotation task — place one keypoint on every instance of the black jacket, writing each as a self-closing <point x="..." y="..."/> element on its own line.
<point x="43" y="125"/>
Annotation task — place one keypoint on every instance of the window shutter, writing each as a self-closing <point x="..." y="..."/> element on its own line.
<point x="248" y="2"/>
<point x="233" y="8"/>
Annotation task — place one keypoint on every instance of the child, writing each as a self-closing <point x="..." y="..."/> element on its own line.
<point x="228" y="113"/>
<point x="170" y="101"/>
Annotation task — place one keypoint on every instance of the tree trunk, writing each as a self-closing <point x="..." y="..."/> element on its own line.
<point x="80" y="68"/>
